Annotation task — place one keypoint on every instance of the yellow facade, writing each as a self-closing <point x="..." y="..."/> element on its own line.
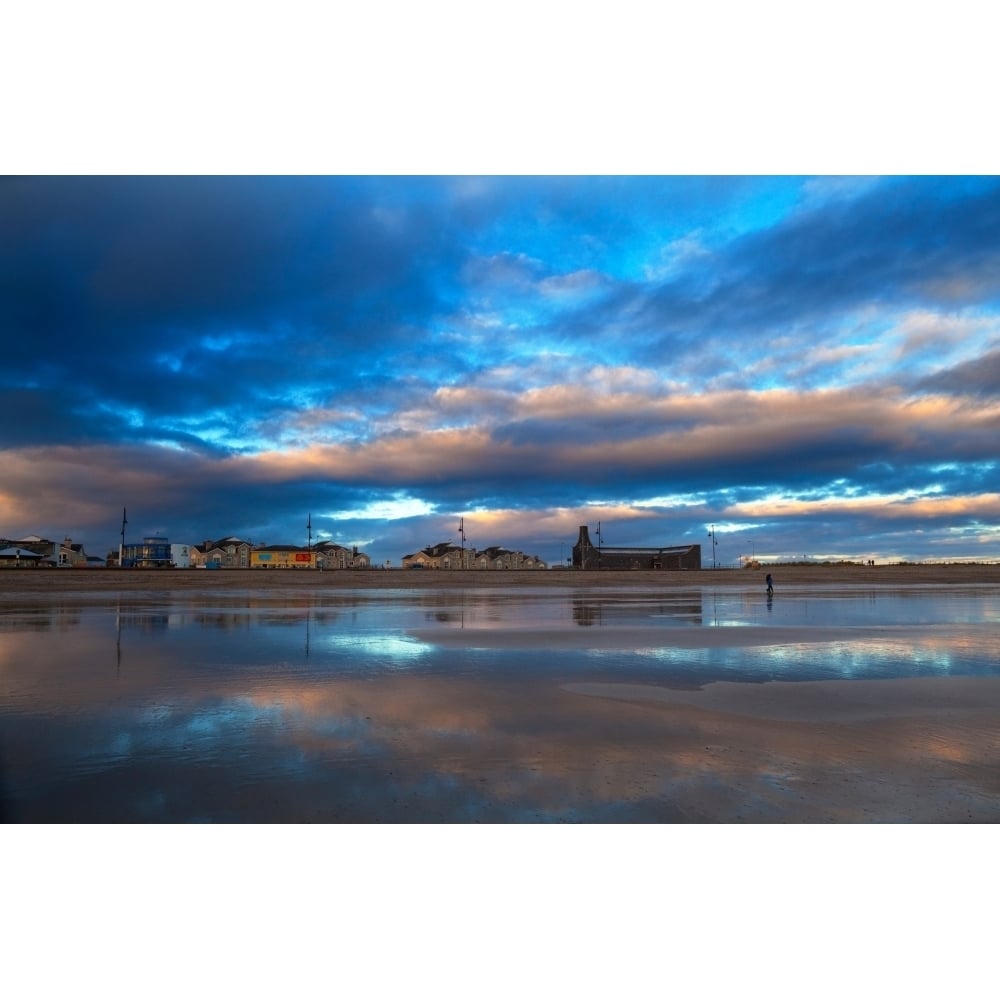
<point x="279" y="558"/>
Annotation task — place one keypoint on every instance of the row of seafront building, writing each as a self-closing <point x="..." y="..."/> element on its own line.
<point x="158" y="552"/>
<point x="237" y="553"/>
<point x="155" y="552"/>
<point x="233" y="552"/>
<point x="36" y="552"/>
<point x="446" y="555"/>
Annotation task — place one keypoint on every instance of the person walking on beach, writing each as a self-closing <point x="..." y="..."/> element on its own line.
<point x="770" y="585"/>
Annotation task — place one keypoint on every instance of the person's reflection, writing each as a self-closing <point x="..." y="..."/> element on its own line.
<point x="770" y="600"/>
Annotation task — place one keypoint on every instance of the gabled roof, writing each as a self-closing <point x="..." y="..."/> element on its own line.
<point x="210" y="546"/>
<point x="494" y="552"/>
<point x="441" y="549"/>
<point x="666" y="550"/>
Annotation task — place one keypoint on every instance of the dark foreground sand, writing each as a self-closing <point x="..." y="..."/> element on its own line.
<point x="916" y="750"/>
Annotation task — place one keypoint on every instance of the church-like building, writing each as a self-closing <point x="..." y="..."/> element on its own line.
<point x="587" y="556"/>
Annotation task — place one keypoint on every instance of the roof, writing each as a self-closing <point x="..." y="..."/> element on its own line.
<point x="18" y="553"/>
<point x="653" y="549"/>
<point x="494" y="552"/>
<point x="441" y="549"/>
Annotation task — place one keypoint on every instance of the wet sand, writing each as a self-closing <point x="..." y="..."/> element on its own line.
<point x="917" y="750"/>
<point x="904" y="750"/>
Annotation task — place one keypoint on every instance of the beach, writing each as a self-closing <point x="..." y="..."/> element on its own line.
<point x="857" y="695"/>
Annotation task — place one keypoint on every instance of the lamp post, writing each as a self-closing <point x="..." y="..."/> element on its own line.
<point x="711" y="535"/>
<point x="461" y="534"/>
<point x="599" y="542"/>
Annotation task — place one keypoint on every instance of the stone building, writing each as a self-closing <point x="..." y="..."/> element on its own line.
<point x="227" y="553"/>
<point x="587" y="556"/>
<point x="497" y="557"/>
<point x="331" y="555"/>
<point x="446" y="556"/>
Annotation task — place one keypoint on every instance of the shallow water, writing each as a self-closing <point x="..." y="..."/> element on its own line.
<point x="491" y="705"/>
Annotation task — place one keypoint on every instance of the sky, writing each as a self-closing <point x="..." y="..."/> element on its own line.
<point x="809" y="366"/>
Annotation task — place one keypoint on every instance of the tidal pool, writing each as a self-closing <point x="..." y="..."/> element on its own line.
<point x="826" y="704"/>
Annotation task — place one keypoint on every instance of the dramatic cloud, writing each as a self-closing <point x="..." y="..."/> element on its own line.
<point x="811" y="365"/>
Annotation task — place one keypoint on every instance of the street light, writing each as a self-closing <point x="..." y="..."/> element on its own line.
<point x="711" y="535"/>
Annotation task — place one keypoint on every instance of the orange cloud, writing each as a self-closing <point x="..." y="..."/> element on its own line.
<point x="877" y="505"/>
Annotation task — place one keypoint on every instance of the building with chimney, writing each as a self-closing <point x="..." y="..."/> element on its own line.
<point x="587" y="556"/>
<point x="446" y="555"/>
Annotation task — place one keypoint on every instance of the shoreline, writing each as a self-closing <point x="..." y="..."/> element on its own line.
<point x="41" y="581"/>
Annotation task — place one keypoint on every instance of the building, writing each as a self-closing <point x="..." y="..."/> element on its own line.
<point x="282" y="557"/>
<point x="227" y="553"/>
<point x="444" y="555"/>
<point x="587" y="556"/>
<point x="70" y="553"/>
<point x="66" y="553"/>
<point x="15" y="557"/>
<point x="447" y="556"/>
<point x="153" y="552"/>
<point x="180" y="556"/>
<point x="330" y="555"/>
<point x="497" y="557"/>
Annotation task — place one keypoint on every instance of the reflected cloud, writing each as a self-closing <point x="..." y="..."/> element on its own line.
<point x="386" y="647"/>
